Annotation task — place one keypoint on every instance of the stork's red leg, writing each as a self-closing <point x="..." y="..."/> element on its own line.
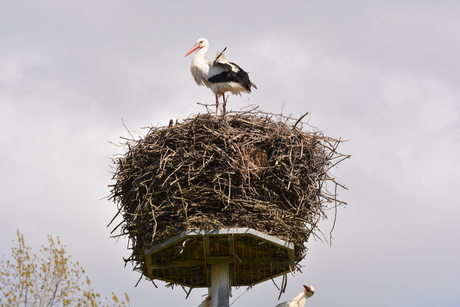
<point x="217" y="104"/>
<point x="224" y="105"/>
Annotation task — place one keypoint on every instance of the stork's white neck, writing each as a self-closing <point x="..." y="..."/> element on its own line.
<point x="301" y="298"/>
<point x="201" y="53"/>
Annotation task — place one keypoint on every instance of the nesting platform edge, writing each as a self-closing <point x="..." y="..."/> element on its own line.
<point x="186" y="259"/>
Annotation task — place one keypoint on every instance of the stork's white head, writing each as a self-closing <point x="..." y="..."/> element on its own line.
<point x="309" y="291"/>
<point x="201" y="43"/>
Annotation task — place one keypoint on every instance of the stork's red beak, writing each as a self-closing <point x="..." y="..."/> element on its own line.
<point x="193" y="49"/>
<point x="309" y="291"/>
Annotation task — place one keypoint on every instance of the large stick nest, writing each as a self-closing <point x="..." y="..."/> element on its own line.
<point x="244" y="169"/>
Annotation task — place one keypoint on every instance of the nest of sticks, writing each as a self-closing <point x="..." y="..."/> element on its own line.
<point x="244" y="169"/>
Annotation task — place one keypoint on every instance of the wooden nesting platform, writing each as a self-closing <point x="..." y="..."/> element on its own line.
<point x="253" y="257"/>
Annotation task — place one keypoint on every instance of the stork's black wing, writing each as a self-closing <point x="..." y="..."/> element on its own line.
<point x="229" y="75"/>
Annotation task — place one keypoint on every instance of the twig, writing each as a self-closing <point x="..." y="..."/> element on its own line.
<point x="300" y="119"/>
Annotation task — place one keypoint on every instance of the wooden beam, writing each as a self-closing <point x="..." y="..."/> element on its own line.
<point x="213" y="260"/>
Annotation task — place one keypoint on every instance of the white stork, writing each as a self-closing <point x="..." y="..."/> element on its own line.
<point x="206" y="302"/>
<point x="219" y="74"/>
<point x="299" y="300"/>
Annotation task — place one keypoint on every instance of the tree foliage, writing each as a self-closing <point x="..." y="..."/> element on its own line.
<point x="47" y="279"/>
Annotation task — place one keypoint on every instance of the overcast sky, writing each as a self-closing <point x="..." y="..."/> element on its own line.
<point x="384" y="75"/>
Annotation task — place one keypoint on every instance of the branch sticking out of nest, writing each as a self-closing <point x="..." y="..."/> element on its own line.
<point x="244" y="169"/>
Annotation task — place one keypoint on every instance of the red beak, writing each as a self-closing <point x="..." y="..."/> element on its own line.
<point x="307" y="288"/>
<point x="193" y="49"/>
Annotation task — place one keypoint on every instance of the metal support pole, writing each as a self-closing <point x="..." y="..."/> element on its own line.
<point x="220" y="285"/>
